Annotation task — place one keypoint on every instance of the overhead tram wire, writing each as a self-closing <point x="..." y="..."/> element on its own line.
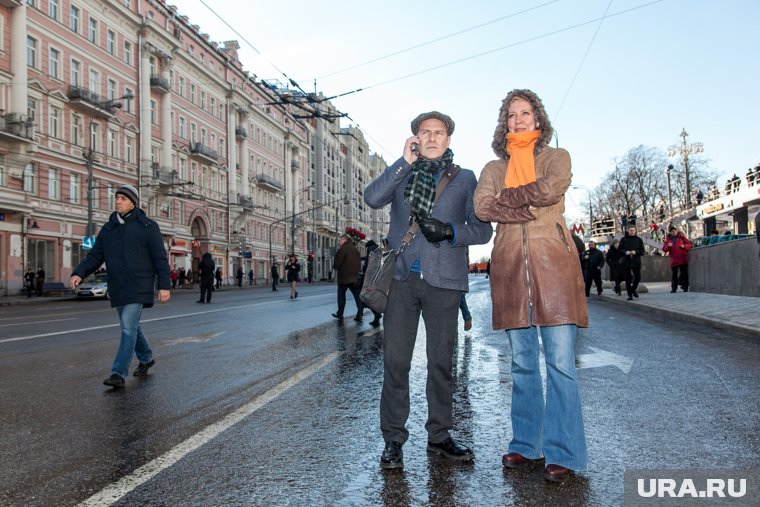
<point x="423" y="44"/>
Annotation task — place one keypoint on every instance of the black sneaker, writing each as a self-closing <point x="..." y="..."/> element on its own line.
<point x="142" y="368"/>
<point x="339" y="317"/>
<point x="115" y="381"/>
<point x="393" y="456"/>
<point x="452" y="450"/>
<point x="375" y="323"/>
<point x="635" y="294"/>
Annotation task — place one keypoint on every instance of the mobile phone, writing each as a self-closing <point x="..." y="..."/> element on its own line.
<point x="414" y="148"/>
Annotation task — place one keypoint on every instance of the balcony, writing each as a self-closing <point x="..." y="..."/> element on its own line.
<point x="268" y="183"/>
<point x="163" y="176"/>
<point x="240" y="133"/>
<point x="92" y="103"/>
<point x="245" y="201"/>
<point x="204" y="153"/>
<point x="159" y="84"/>
<point x="16" y="127"/>
<point x="11" y="3"/>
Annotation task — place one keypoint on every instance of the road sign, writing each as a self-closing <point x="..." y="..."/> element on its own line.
<point x="88" y="242"/>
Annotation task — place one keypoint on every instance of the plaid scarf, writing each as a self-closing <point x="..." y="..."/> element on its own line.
<point x="420" y="190"/>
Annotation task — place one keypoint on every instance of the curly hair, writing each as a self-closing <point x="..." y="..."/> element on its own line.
<point x="499" y="143"/>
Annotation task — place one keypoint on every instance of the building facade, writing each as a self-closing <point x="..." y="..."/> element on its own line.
<point x="95" y="94"/>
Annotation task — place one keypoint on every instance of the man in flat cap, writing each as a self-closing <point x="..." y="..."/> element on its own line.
<point x="130" y="245"/>
<point x="429" y="279"/>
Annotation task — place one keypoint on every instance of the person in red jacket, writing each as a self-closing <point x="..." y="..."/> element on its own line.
<point x="677" y="246"/>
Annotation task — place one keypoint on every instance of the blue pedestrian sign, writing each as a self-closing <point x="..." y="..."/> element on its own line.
<point x="88" y="242"/>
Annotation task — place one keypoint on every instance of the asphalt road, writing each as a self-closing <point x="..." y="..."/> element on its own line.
<point x="261" y="400"/>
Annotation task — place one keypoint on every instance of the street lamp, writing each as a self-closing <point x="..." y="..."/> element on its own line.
<point x="670" y="193"/>
<point x="89" y="158"/>
<point x="685" y="149"/>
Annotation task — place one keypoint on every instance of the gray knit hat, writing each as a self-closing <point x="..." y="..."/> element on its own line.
<point x="130" y="193"/>
<point x="433" y="115"/>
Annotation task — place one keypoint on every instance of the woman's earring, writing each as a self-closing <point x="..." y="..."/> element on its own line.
<point x="538" y="125"/>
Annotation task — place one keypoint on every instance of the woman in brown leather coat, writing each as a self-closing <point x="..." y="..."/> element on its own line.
<point x="536" y="285"/>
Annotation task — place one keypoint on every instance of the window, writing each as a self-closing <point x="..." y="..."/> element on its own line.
<point x="29" y="178"/>
<point x="30" y="3"/>
<point x="203" y="100"/>
<point x="213" y="105"/>
<point x="31" y="52"/>
<point x="203" y="136"/>
<point x="110" y="194"/>
<point x="128" y="103"/>
<point x="128" y="53"/>
<point x="129" y="148"/>
<point x="2" y="170"/>
<point x="111" y="92"/>
<point x="74" y="189"/>
<point x="111" y="42"/>
<point x="182" y="127"/>
<point x="55" y="119"/>
<point x="31" y="110"/>
<point x="92" y="32"/>
<point x="95" y="194"/>
<point x="182" y="168"/>
<point x="54" y="187"/>
<point x="193" y="132"/>
<point x="181" y="87"/>
<point x="192" y="93"/>
<point x="76" y="70"/>
<point x="153" y="115"/>
<point x="74" y="19"/>
<point x="54" y="63"/>
<point x="94" y="84"/>
<point x="112" y="150"/>
<point x="53" y="9"/>
<point x="94" y="127"/>
<point x="76" y="130"/>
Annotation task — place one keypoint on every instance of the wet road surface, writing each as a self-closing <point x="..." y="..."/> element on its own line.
<point x="656" y="394"/>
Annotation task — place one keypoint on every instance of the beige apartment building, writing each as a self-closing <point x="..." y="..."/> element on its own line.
<point x="95" y="94"/>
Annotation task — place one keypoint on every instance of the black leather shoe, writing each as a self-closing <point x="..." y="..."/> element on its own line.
<point x="142" y="368"/>
<point x="452" y="450"/>
<point x="630" y="298"/>
<point x="339" y="317"/>
<point x="115" y="380"/>
<point x="199" y="301"/>
<point x="556" y="473"/>
<point x="635" y="294"/>
<point x="393" y="456"/>
<point x="358" y="318"/>
<point x="673" y="291"/>
<point x="375" y="323"/>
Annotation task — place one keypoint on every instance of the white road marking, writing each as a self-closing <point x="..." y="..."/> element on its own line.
<point x="199" y="338"/>
<point x="125" y="485"/>
<point x="36" y="322"/>
<point x="602" y="357"/>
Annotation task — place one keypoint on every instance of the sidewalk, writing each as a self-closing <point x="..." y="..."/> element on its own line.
<point x="738" y="314"/>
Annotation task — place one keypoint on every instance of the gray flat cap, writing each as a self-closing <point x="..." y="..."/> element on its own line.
<point x="446" y="119"/>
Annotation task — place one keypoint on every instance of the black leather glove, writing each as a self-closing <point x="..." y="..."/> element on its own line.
<point x="436" y="231"/>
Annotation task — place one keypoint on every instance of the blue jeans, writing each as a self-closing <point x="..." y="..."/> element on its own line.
<point x="553" y="429"/>
<point x="133" y="341"/>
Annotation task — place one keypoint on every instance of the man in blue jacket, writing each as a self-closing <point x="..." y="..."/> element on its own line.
<point x="130" y="245"/>
<point x="430" y="278"/>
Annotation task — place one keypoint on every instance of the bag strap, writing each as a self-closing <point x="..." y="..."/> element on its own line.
<point x="448" y="175"/>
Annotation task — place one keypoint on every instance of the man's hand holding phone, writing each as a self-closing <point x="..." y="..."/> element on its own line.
<point x="411" y="149"/>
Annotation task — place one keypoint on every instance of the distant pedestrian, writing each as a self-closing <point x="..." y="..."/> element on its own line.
<point x="39" y="279"/>
<point x="654" y="230"/>
<point x="29" y="281"/>
<point x="130" y="244"/>
<point x="174" y="277"/>
<point x="206" y="268"/>
<point x="614" y="259"/>
<point x="182" y="277"/>
<point x="275" y="273"/>
<point x="371" y="245"/>
<point x="292" y="268"/>
<point x="218" y="276"/>
<point x="677" y="245"/>
<point x="189" y="277"/>
<point x="348" y="264"/>
<point x="239" y="276"/>
<point x="757" y="226"/>
<point x="592" y="262"/>
<point x="633" y="248"/>
<point x="250" y="277"/>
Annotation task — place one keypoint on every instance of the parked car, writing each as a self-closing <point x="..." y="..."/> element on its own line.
<point x="94" y="286"/>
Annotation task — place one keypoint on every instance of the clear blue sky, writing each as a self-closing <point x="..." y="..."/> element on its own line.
<point x="637" y="76"/>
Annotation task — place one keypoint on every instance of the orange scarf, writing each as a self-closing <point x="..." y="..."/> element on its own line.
<point x="521" y="169"/>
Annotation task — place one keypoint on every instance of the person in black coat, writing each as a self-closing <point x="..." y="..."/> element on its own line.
<point x="206" y="267"/>
<point x="614" y="259"/>
<point x="371" y="245"/>
<point x="592" y="262"/>
<point x="130" y="244"/>
<point x="632" y="248"/>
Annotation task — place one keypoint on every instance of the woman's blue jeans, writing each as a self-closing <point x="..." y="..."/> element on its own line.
<point x="133" y="341"/>
<point x="552" y="429"/>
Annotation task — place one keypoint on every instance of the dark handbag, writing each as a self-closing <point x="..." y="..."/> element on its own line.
<point x="382" y="260"/>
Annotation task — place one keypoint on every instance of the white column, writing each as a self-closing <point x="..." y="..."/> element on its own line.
<point x="18" y="59"/>
<point x="232" y="149"/>
<point x="244" y="161"/>
<point x="166" y="122"/>
<point x="145" y="126"/>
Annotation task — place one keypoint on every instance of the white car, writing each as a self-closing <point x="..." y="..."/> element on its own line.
<point x="94" y="286"/>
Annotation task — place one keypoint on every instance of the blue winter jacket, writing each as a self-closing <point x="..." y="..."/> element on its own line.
<point x="135" y="258"/>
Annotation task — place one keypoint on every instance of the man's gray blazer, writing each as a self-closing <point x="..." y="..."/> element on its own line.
<point x="444" y="266"/>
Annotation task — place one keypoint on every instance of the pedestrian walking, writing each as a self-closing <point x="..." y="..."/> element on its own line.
<point x="39" y="280"/>
<point x="239" y="276"/>
<point x="633" y="248"/>
<point x="292" y="268"/>
<point x="677" y="246"/>
<point x="174" y="277"/>
<point x="250" y="277"/>
<point x="535" y="285"/>
<point x="275" y="273"/>
<point x="429" y="279"/>
<point x="182" y="277"/>
<point x="347" y="264"/>
<point x="370" y="247"/>
<point x="218" y="276"/>
<point x="29" y="281"/>
<point x="592" y="262"/>
<point x="614" y="259"/>
<point x="206" y="267"/>
<point x="130" y="244"/>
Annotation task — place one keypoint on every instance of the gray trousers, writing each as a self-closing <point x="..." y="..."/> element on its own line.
<point x="440" y="312"/>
